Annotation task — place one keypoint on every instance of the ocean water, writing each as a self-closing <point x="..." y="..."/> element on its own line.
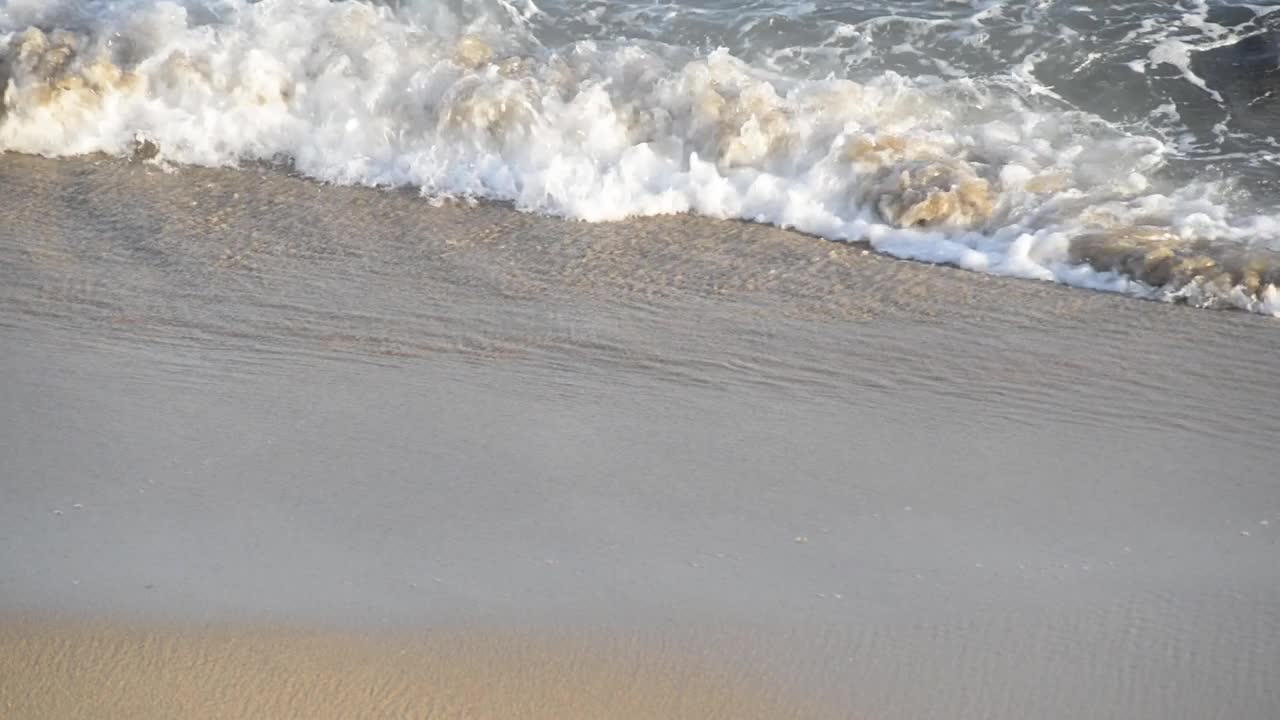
<point x="1127" y="146"/>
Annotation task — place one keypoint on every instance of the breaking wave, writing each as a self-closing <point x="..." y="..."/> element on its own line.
<point x="480" y="100"/>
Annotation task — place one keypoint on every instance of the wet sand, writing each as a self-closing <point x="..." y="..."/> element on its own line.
<point x="107" y="671"/>
<point x="247" y="411"/>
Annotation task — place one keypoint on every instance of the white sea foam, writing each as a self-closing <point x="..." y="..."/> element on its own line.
<point x="463" y="99"/>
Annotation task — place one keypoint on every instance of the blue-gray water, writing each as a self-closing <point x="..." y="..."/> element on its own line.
<point x="1123" y="61"/>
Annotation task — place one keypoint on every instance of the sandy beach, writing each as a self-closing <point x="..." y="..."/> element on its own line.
<point x="113" y="671"/>
<point x="263" y="435"/>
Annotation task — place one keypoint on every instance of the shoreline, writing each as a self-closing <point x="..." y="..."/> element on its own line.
<point x="1113" y="250"/>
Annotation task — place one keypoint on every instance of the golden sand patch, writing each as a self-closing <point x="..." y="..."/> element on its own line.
<point x="50" y="672"/>
<point x="52" y="70"/>
<point x="472" y="52"/>
<point x="920" y="184"/>
<point x="929" y="194"/>
<point x="1160" y="258"/>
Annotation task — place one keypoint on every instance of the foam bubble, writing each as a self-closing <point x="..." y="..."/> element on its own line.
<point x="464" y="100"/>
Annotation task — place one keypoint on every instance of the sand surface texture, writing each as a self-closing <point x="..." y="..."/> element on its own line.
<point x="260" y="435"/>
<point x="108" y="672"/>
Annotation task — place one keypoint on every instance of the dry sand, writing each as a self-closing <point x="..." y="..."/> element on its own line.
<point x="255" y="423"/>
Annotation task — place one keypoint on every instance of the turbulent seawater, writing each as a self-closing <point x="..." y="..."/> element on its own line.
<point x="1126" y="146"/>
